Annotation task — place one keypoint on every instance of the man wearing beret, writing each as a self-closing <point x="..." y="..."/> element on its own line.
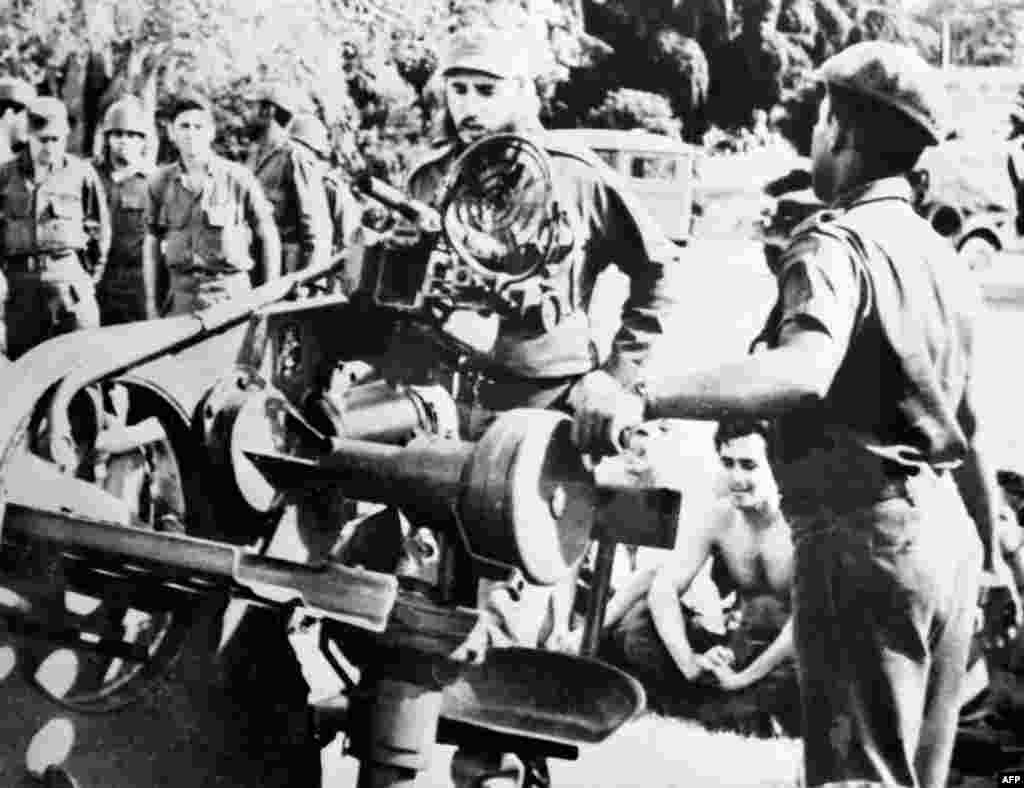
<point x="291" y="179"/>
<point x="203" y="212"/>
<point x="867" y="360"/>
<point x="55" y="234"/>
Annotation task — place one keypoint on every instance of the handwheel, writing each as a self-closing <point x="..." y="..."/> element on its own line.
<point x="92" y="636"/>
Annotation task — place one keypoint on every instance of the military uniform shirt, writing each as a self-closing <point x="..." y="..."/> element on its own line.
<point x="293" y="182"/>
<point x="210" y="225"/>
<point x="610" y="227"/>
<point x="907" y="341"/>
<point x="127" y="192"/>
<point x="64" y="210"/>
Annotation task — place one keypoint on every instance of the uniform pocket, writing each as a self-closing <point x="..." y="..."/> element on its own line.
<point x="18" y="205"/>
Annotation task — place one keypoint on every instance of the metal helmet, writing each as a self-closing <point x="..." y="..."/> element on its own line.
<point x="896" y="76"/>
<point x="308" y="130"/>
<point x="130" y="115"/>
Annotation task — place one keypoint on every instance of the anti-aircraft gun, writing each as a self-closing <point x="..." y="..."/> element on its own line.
<point x="148" y="469"/>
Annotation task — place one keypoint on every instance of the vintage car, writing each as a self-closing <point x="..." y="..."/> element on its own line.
<point x="977" y="237"/>
<point x="659" y="169"/>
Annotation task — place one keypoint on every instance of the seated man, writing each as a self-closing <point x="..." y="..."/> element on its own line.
<point x="659" y="628"/>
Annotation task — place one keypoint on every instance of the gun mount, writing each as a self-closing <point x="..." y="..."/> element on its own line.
<point x="262" y="451"/>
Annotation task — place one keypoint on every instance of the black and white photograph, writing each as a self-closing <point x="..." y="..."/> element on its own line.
<point x="511" y="393"/>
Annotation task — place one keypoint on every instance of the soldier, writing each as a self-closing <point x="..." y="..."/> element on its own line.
<point x="290" y="177"/>
<point x="202" y="213"/>
<point x="342" y="207"/>
<point x="125" y="293"/>
<point x="868" y="361"/>
<point x="15" y="96"/>
<point x="56" y="233"/>
<point x="488" y="88"/>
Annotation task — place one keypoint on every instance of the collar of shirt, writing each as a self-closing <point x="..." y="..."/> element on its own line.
<point x="895" y="187"/>
<point x="264" y="152"/>
<point x="28" y="167"/>
<point x="194" y="182"/>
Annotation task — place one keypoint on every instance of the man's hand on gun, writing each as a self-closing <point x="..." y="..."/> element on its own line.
<point x="605" y="413"/>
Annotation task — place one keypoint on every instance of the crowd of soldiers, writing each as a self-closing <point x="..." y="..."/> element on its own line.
<point x="119" y="240"/>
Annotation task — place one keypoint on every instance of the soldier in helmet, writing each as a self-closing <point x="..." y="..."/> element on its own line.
<point x="868" y="361"/>
<point x="127" y="291"/>
<point x="309" y="133"/>
<point x="290" y="177"/>
<point x="203" y="212"/>
<point x="15" y="96"/>
<point x="55" y="233"/>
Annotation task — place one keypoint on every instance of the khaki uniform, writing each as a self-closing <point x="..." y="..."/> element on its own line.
<point x="205" y="231"/>
<point x="610" y="228"/>
<point x="120" y="292"/>
<point x="52" y="227"/>
<point x="886" y="559"/>
<point x="292" y="180"/>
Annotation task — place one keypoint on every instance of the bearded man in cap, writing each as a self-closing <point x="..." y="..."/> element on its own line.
<point x="291" y="179"/>
<point x="488" y="85"/>
<point x="202" y="214"/>
<point x="55" y="236"/>
<point x="128" y="136"/>
<point x="868" y="361"/>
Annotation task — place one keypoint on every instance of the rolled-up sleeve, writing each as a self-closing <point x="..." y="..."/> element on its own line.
<point x="820" y="288"/>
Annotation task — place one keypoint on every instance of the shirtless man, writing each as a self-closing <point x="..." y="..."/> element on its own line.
<point x="660" y="625"/>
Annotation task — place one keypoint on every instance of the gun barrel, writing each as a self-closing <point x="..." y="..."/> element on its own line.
<point x="419" y="213"/>
<point x="353" y="596"/>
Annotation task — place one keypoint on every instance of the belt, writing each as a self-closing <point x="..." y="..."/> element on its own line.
<point x="30" y="263"/>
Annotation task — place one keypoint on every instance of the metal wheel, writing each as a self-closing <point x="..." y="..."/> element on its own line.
<point x="94" y="636"/>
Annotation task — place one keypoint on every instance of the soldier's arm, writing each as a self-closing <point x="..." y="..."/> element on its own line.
<point x="631" y="240"/>
<point x="671" y="581"/>
<point x="976" y="480"/>
<point x="260" y="217"/>
<point x="819" y="303"/>
<point x="314" y="216"/>
<point x="152" y="255"/>
<point x="96" y="213"/>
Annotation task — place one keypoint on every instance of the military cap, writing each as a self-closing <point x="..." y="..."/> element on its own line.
<point x="499" y="52"/>
<point x="128" y="114"/>
<point x="896" y="76"/>
<point x="280" y="95"/>
<point x="189" y="100"/>
<point x="47" y="113"/>
<point x="16" y="91"/>
<point x="308" y="130"/>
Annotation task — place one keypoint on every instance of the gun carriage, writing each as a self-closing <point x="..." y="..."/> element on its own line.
<point x="303" y="449"/>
